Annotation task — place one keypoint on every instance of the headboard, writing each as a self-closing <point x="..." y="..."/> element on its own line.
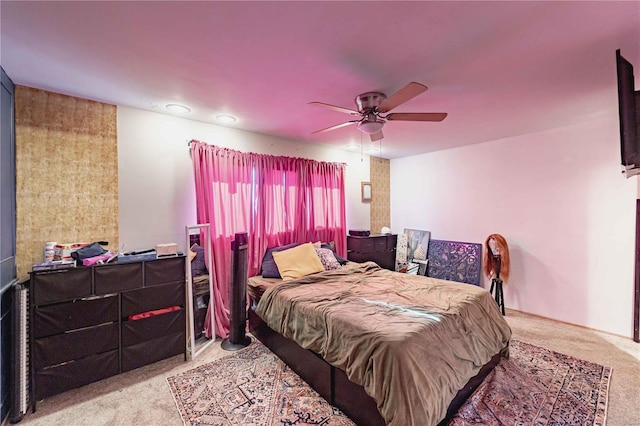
<point x="455" y="261"/>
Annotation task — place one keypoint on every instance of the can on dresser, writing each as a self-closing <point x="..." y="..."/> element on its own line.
<point x="49" y="251"/>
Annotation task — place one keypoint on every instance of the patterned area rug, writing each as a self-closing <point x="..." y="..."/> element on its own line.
<point x="536" y="386"/>
<point x="253" y="387"/>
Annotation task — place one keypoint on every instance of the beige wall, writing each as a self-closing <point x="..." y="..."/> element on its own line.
<point x="66" y="172"/>
<point x="380" y="193"/>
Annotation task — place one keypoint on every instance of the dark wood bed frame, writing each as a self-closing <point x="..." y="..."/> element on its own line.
<point x="332" y="383"/>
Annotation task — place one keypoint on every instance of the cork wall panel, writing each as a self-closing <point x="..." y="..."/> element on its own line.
<point x="379" y="169"/>
<point x="66" y="173"/>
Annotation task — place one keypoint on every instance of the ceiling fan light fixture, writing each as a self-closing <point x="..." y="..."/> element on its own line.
<point x="375" y="109"/>
<point x="371" y="126"/>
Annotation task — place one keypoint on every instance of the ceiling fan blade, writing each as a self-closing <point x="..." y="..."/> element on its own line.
<point x="376" y="136"/>
<point x="337" y="126"/>
<point x="409" y="91"/>
<point x="416" y="116"/>
<point x="335" y="108"/>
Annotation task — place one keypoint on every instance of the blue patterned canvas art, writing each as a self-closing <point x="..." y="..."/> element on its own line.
<point x="455" y="261"/>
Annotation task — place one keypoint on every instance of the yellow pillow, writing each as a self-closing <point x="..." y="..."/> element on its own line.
<point x="298" y="261"/>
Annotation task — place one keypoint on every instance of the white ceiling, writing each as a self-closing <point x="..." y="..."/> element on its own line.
<point x="499" y="69"/>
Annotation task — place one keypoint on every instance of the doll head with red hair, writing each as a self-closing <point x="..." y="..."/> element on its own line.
<point x="496" y="257"/>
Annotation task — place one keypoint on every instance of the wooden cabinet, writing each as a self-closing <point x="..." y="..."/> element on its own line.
<point x="86" y="323"/>
<point x="379" y="248"/>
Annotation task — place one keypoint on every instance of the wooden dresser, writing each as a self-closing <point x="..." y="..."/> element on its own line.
<point x="85" y="323"/>
<point x="379" y="248"/>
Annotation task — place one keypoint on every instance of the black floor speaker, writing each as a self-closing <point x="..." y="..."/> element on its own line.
<point x="238" y="296"/>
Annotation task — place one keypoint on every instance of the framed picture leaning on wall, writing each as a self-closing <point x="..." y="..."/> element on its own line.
<point x="417" y="247"/>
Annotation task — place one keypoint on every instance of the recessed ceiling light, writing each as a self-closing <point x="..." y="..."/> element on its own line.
<point x="180" y="109"/>
<point x="226" y="118"/>
<point x="353" y="147"/>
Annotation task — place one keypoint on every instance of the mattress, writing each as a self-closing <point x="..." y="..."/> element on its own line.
<point x="411" y="341"/>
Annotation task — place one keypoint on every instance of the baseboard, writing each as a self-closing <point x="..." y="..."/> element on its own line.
<point x="584" y="327"/>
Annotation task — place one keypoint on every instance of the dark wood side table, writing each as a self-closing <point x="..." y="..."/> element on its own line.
<point x="379" y="248"/>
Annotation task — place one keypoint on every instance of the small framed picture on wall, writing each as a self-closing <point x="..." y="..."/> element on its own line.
<point x="366" y="191"/>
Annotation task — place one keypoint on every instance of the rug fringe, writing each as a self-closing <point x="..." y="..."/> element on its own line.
<point x="174" y="392"/>
<point x="603" y="397"/>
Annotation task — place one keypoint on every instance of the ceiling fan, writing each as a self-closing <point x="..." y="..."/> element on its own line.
<point x="372" y="105"/>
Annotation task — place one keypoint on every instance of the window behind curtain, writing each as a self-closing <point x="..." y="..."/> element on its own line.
<point x="299" y="200"/>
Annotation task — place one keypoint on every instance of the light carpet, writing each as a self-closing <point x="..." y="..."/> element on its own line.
<point x="253" y="387"/>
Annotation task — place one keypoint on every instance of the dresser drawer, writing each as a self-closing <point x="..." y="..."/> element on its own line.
<point x="164" y="271"/>
<point x="356" y="256"/>
<point x="385" y="259"/>
<point x="53" y="380"/>
<point x="360" y="244"/>
<point x="380" y="244"/>
<point x="74" y="345"/>
<point x="54" y="319"/>
<point x="152" y="298"/>
<point x="115" y="278"/>
<point x="57" y="286"/>
<point x="134" y="332"/>
<point x="153" y="350"/>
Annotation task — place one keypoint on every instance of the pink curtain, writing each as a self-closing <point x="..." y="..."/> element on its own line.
<point x="277" y="200"/>
<point x="223" y="180"/>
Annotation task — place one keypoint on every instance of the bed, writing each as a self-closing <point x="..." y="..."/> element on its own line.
<point x="384" y="347"/>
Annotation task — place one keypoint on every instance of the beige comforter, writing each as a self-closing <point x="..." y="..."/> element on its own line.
<point x="412" y="342"/>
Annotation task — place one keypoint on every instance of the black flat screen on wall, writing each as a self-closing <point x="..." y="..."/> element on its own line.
<point x="629" y="112"/>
